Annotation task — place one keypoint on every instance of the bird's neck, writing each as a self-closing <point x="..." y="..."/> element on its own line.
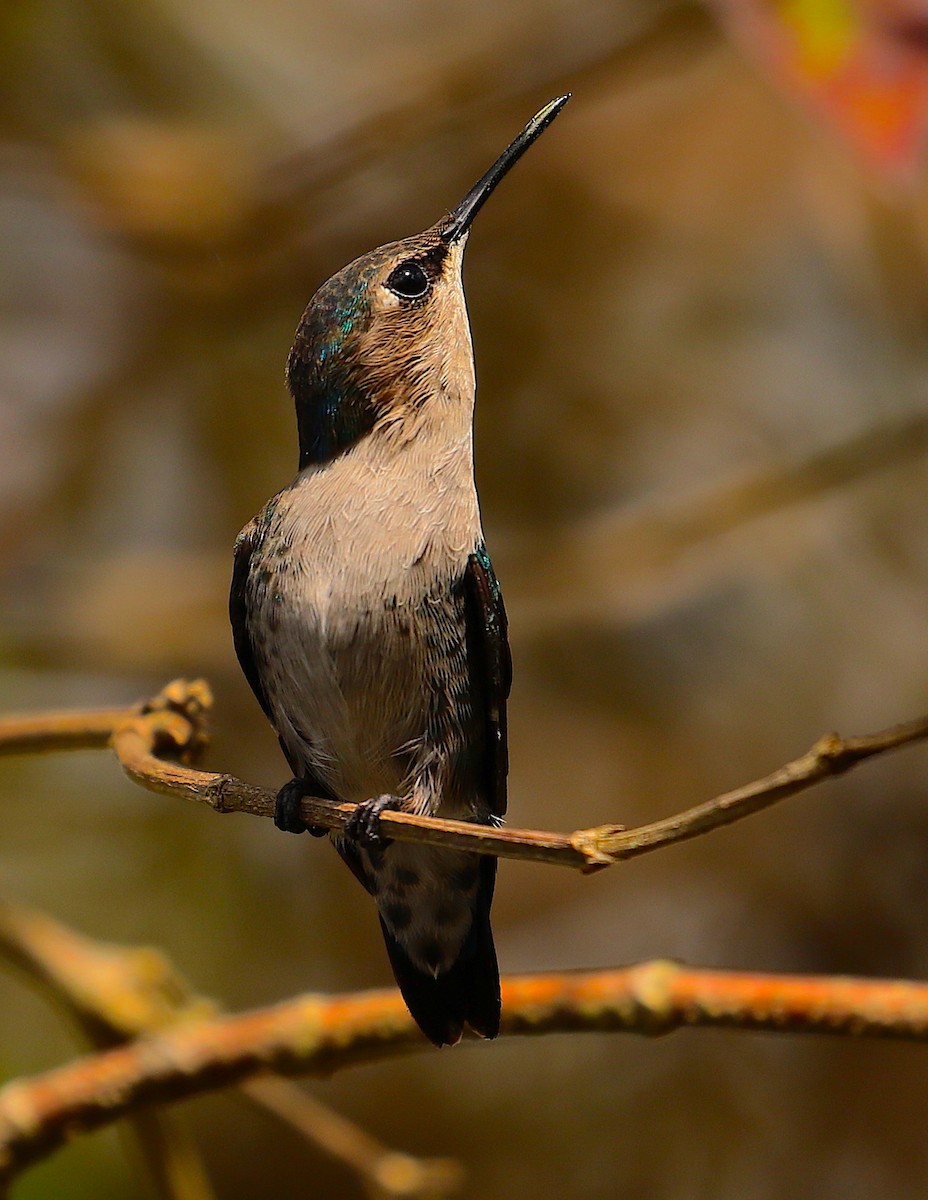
<point x="397" y="405"/>
<point x="399" y="509"/>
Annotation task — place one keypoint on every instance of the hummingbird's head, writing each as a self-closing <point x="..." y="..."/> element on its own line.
<point x="388" y="335"/>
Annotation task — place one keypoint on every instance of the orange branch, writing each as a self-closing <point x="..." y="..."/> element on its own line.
<point x="315" y="1034"/>
<point x="119" y="993"/>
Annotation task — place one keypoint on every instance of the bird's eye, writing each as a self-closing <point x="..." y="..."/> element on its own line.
<point x="408" y="281"/>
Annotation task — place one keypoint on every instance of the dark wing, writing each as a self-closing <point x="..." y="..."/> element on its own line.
<point x="491" y="667"/>
<point x="245" y="545"/>
<point x="238" y="615"/>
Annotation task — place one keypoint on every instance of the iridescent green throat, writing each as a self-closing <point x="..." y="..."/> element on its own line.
<point x="332" y="411"/>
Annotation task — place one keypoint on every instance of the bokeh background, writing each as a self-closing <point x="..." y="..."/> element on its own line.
<point x="699" y="310"/>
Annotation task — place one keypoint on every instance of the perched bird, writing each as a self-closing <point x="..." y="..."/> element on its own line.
<point x="365" y="611"/>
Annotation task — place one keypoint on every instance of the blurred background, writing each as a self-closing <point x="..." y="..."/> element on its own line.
<point x="699" y="310"/>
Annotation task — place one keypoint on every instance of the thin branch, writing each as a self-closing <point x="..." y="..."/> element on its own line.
<point x="315" y="1034"/>
<point x="90" y="729"/>
<point x="387" y="1173"/>
<point x="114" y="992"/>
<point x="154" y="741"/>
<point x="171" y="1156"/>
<point x="643" y="545"/>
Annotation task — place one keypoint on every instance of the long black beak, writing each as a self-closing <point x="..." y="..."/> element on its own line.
<point x="461" y="219"/>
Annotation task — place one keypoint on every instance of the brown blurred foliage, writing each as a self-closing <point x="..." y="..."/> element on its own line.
<point x="684" y="287"/>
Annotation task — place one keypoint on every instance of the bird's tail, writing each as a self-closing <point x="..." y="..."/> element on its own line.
<point x="466" y="993"/>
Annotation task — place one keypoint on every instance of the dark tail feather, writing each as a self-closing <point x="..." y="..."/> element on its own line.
<point x="469" y="992"/>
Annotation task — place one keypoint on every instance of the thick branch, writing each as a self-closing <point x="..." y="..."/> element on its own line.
<point x="118" y="993"/>
<point x="316" y="1034"/>
<point x="153" y="742"/>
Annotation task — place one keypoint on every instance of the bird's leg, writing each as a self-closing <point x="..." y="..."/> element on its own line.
<point x="364" y="823"/>
<point x="288" y="814"/>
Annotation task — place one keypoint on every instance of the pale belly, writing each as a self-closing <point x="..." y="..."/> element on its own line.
<point x="347" y="689"/>
<point x="358" y="627"/>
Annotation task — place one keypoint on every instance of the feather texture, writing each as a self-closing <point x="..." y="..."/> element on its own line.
<point x="369" y="622"/>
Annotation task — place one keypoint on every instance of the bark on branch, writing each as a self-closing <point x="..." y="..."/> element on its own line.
<point x="118" y="993"/>
<point x="315" y="1034"/>
<point x="156" y="741"/>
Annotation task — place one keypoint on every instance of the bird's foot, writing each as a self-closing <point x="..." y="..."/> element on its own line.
<point x="288" y="809"/>
<point x="364" y="823"/>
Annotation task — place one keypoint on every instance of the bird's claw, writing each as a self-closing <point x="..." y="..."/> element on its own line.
<point x="288" y="810"/>
<point x="364" y="823"/>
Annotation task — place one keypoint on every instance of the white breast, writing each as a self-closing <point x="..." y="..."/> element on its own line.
<point x="354" y="549"/>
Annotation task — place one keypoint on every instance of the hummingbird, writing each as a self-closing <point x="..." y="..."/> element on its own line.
<point x="366" y="614"/>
